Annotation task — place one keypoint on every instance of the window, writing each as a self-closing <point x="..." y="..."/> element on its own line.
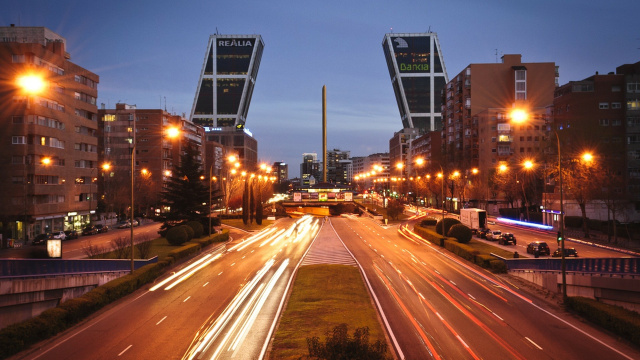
<point x="633" y="87"/>
<point x="17" y="119"/>
<point x="616" y="122"/>
<point x="504" y="127"/>
<point x="18" y="140"/>
<point x="521" y="84"/>
<point x="493" y="139"/>
<point x="604" y="122"/>
<point x="616" y="105"/>
<point x="616" y="88"/>
<point x="18" y="59"/>
<point x="603" y="105"/>
<point x="633" y="104"/>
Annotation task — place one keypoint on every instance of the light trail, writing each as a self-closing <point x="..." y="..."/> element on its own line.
<point x="196" y="263"/>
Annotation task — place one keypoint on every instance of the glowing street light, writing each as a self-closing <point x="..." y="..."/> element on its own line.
<point x="31" y="83"/>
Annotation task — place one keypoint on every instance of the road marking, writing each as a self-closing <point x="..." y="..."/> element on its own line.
<point x="185" y="300"/>
<point x="451" y="281"/>
<point x="161" y="320"/>
<point x="233" y="264"/>
<point x="501" y="319"/>
<point x="220" y="273"/>
<point x="205" y="284"/>
<point x="534" y="344"/>
<point x="123" y="351"/>
<point x="471" y="296"/>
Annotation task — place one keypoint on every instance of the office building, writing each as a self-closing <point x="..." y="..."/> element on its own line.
<point x="224" y="91"/>
<point x="418" y="76"/>
<point x="280" y="170"/>
<point x="49" y="146"/>
<point x="310" y="172"/>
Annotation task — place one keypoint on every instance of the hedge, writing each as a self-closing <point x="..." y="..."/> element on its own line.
<point x="18" y="337"/>
<point x="463" y="250"/>
<point x="622" y="322"/>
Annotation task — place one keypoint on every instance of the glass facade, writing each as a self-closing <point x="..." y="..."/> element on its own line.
<point x="418" y="77"/>
<point x="227" y="80"/>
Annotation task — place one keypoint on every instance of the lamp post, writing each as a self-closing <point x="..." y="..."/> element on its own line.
<point x="441" y="176"/>
<point x="519" y="115"/>
<point x="172" y="133"/>
<point x="29" y="84"/>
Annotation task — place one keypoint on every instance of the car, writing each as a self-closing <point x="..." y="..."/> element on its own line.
<point x="127" y="224"/>
<point x="493" y="235"/>
<point x="506" y="239"/>
<point x="89" y="230"/>
<point x="40" y="239"/>
<point x="538" y="248"/>
<point x="102" y="228"/>
<point x="71" y="234"/>
<point x="59" y="235"/>
<point x="567" y="252"/>
<point x="482" y="233"/>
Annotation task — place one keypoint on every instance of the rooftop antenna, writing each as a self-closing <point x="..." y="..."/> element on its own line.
<point x="391" y="29"/>
<point x="429" y="29"/>
<point x="217" y="31"/>
<point x="165" y="103"/>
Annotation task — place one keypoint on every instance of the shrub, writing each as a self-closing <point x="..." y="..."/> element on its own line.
<point x="429" y="222"/>
<point x="621" y="321"/>
<point x="448" y="222"/>
<point x="120" y="245"/>
<point x="143" y="246"/>
<point x="177" y="235"/>
<point x="339" y="345"/>
<point x="197" y="228"/>
<point x="461" y="232"/>
<point x="573" y="221"/>
<point x="189" y="231"/>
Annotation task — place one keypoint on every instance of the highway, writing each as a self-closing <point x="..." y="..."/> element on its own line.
<point x="440" y="307"/>
<point x="221" y="304"/>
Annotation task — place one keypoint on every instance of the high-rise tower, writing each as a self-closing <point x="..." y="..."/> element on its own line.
<point x="224" y="91"/>
<point x="418" y="76"/>
<point x="226" y="81"/>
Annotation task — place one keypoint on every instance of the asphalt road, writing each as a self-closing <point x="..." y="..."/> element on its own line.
<point x="440" y="307"/>
<point x="220" y="304"/>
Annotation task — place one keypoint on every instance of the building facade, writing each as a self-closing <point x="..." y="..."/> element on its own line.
<point x="339" y="167"/>
<point x="631" y="73"/>
<point x="49" y="142"/>
<point x="156" y="154"/>
<point x="310" y="172"/>
<point x="418" y="75"/>
<point x="224" y="91"/>
<point x="280" y="170"/>
<point x="477" y="106"/>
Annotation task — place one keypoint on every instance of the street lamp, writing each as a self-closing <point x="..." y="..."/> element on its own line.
<point x="171" y="132"/>
<point x="519" y="116"/>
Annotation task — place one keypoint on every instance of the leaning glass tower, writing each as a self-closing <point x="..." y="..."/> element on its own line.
<point x="418" y="76"/>
<point x="226" y="82"/>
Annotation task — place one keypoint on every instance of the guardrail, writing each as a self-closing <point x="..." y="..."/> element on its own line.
<point x="11" y="268"/>
<point x="594" y="265"/>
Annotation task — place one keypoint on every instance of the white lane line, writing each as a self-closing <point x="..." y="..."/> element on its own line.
<point x="185" y="300"/>
<point x="534" y="344"/>
<point x="205" y="284"/>
<point x="501" y="319"/>
<point x="451" y="281"/>
<point x="233" y="264"/>
<point x="220" y="273"/>
<point x="123" y="351"/>
<point x="161" y="320"/>
<point x="471" y="296"/>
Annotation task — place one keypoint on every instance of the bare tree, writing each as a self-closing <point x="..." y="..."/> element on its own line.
<point x="582" y="182"/>
<point x="91" y="250"/>
<point x="143" y="245"/>
<point x="120" y="247"/>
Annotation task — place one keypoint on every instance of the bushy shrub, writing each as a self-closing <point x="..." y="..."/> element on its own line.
<point x="177" y="235"/>
<point x="461" y="232"/>
<point x="339" y="345"/>
<point x="189" y="231"/>
<point x="448" y="223"/>
<point x="197" y="227"/>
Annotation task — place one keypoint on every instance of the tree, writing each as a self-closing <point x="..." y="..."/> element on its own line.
<point x="580" y="183"/>
<point x="186" y="194"/>
<point x="245" y="203"/>
<point x="252" y="201"/>
<point x="394" y="209"/>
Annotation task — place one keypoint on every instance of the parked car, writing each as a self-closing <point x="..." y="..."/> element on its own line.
<point x="567" y="252"/>
<point x="506" y="239"/>
<point x="71" y="234"/>
<point x="493" y="235"/>
<point x="127" y="224"/>
<point x="40" y="239"/>
<point x="538" y="248"/>
<point x="59" y="235"/>
<point x="102" y="228"/>
<point x="482" y="233"/>
<point x="89" y="230"/>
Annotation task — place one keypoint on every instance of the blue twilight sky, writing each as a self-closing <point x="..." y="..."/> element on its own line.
<point x="145" y="51"/>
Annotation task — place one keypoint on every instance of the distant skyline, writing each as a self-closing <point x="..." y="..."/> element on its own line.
<point x="150" y="53"/>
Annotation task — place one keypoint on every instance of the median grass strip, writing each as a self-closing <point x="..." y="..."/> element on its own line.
<point x="324" y="296"/>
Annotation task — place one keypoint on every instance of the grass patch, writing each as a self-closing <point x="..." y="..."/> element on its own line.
<point x="485" y="248"/>
<point x="323" y="297"/>
<point x="237" y="223"/>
